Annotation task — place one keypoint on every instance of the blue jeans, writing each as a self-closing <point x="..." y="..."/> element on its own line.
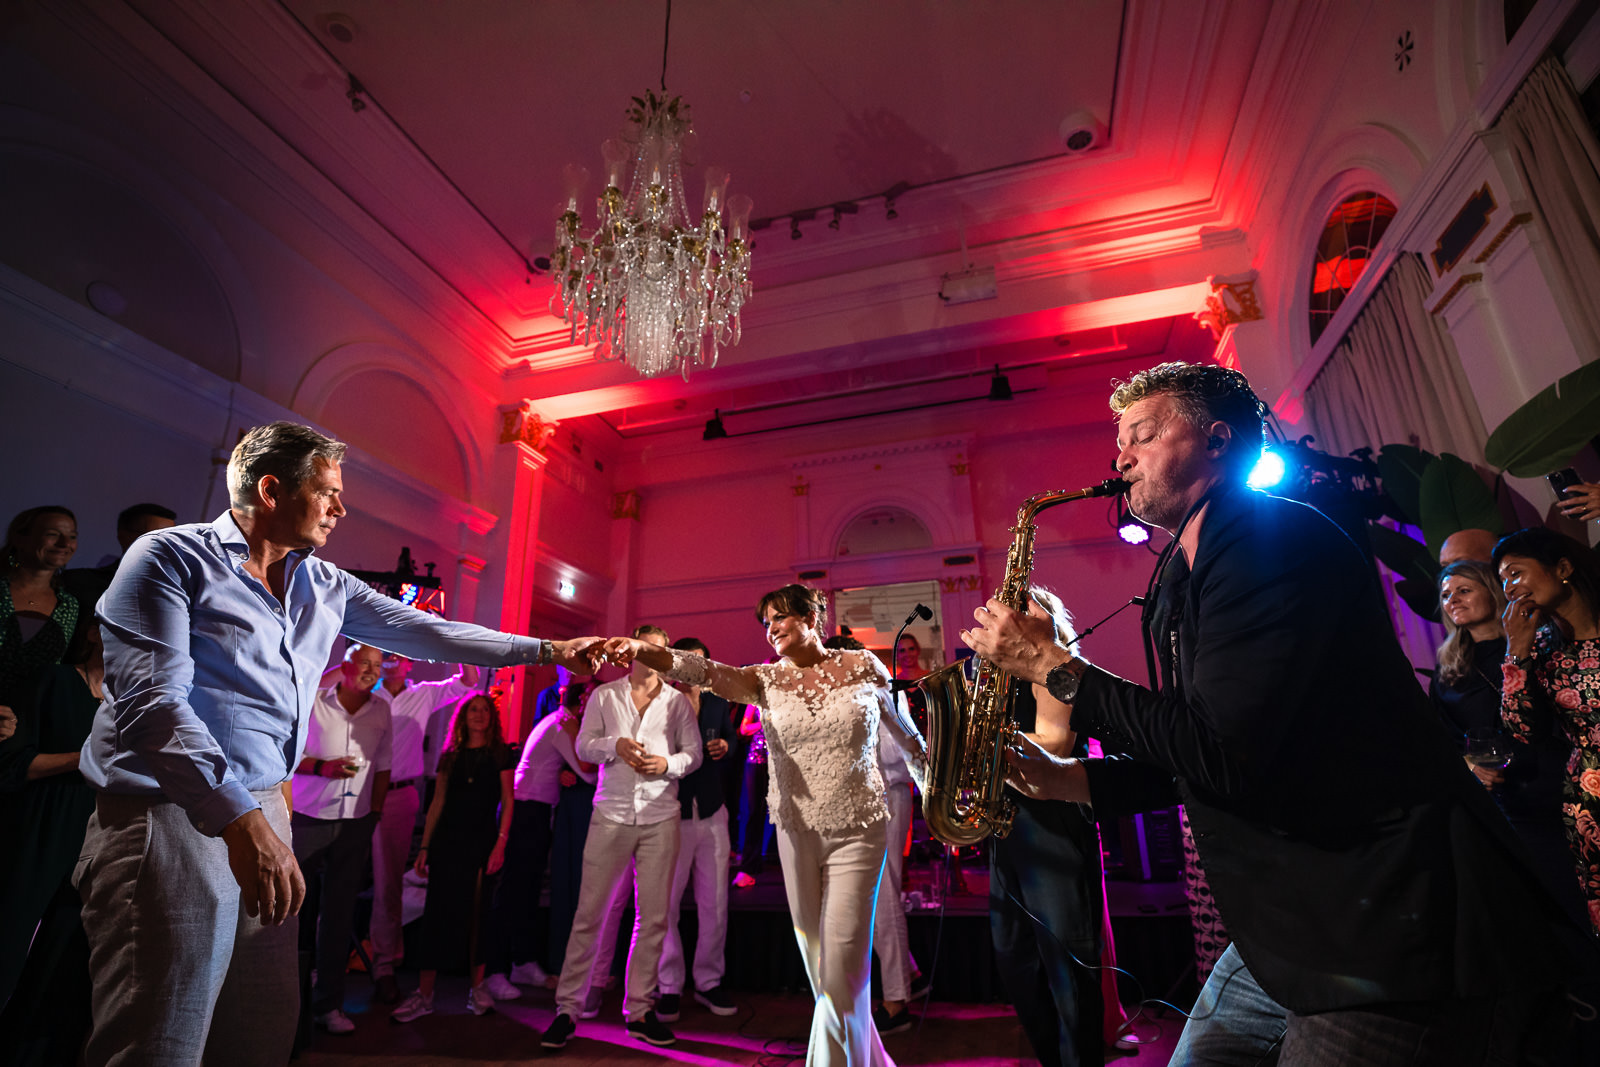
<point x="1236" y="1024"/>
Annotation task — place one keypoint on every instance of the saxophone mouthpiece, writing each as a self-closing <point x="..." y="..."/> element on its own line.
<point x="1110" y="487"/>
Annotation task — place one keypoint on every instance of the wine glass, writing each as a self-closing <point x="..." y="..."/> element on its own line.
<point x="1488" y="748"/>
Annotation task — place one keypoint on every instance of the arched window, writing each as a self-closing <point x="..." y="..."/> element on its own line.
<point x="885" y="529"/>
<point x="1343" y="251"/>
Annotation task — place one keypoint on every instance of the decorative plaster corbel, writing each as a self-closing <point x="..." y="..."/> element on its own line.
<point x="520" y="423"/>
<point x="1232" y="301"/>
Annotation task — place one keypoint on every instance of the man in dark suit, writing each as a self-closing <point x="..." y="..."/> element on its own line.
<point x="1377" y="899"/>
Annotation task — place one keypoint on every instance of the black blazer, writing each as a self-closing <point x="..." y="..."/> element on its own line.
<point x="1354" y="858"/>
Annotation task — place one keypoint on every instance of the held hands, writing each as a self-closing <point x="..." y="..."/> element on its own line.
<point x="1581" y="502"/>
<point x="270" y="883"/>
<point x="620" y="651"/>
<point x="567" y="778"/>
<point x="580" y="655"/>
<point x="1023" y="645"/>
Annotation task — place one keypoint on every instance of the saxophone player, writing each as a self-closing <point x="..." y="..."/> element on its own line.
<point x="1352" y="856"/>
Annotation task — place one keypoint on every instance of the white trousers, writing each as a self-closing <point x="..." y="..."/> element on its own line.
<point x="391" y="847"/>
<point x="653" y="849"/>
<point x="832" y="882"/>
<point x="896" y="965"/>
<point x="702" y="851"/>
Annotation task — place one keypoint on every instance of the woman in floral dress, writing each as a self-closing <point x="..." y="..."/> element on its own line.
<point x="821" y="710"/>
<point x="1552" y="674"/>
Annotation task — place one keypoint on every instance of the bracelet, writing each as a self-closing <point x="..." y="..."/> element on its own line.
<point x="1520" y="661"/>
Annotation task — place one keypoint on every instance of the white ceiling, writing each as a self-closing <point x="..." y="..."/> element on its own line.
<point x="474" y="107"/>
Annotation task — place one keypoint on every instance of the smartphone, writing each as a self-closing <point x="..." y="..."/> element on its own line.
<point x="1562" y="480"/>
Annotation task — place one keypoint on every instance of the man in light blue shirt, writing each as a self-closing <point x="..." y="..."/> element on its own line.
<point x="216" y="636"/>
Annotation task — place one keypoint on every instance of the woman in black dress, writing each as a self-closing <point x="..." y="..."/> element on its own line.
<point x="463" y="843"/>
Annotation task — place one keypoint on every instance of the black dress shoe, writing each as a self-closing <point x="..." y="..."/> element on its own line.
<point x="887" y="1024"/>
<point x="559" y="1032"/>
<point x="651" y="1029"/>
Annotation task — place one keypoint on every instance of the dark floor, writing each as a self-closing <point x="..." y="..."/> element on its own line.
<point x="769" y="1030"/>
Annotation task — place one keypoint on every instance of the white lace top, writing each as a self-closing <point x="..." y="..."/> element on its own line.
<point x="821" y="724"/>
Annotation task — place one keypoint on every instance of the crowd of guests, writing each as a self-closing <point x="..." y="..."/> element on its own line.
<point x="630" y="788"/>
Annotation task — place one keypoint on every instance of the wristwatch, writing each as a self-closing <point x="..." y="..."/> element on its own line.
<point x="547" y="654"/>
<point x="1062" y="681"/>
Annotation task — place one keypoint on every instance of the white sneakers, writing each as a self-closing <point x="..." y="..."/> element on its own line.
<point x="479" y="1000"/>
<point x="336" y="1022"/>
<point x="501" y="989"/>
<point x="529" y="973"/>
<point x="414" y="1006"/>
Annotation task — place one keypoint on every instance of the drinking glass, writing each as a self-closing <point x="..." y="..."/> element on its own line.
<point x="1488" y="748"/>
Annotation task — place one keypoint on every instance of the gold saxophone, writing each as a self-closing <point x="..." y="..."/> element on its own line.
<point x="969" y="727"/>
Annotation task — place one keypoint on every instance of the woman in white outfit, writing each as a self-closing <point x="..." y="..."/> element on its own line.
<point x="821" y="709"/>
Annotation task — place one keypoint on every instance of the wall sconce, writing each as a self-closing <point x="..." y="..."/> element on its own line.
<point x="566" y="589"/>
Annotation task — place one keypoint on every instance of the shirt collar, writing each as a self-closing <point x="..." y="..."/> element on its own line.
<point x="232" y="538"/>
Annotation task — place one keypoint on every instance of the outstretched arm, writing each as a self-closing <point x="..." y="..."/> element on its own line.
<point x="742" y="685"/>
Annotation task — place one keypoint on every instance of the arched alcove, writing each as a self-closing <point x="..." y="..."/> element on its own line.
<point x="882" y="529"/>
<point x="390" y="416"/>
<point x="75" y="229"/>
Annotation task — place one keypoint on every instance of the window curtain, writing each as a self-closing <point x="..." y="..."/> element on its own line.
<point x="1395" y="378"/>
<point x="1556" y="155"/>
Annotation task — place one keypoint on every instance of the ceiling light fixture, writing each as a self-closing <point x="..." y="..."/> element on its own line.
<point x="648" y="285"/>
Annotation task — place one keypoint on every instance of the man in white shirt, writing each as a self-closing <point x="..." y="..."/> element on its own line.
<point x="412" y="706"/>
<point x="339" y="790"/>
<point x="549" y="750"/>
<point x="643" y="734"/>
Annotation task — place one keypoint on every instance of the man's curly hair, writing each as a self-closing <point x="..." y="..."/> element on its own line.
<point x="1203" y="393"/>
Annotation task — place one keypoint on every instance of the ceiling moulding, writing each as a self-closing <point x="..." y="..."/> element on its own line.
<point x="1062" y="256"/>
<point x="1112" y="311"/>
<point x="107" y="362"/>
<point x="327" y="227"/>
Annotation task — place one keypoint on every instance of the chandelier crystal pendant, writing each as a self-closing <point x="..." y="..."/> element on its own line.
<point x="647" y="285"/>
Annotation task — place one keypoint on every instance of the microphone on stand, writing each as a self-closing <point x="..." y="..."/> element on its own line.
<point x="921" y="611"/>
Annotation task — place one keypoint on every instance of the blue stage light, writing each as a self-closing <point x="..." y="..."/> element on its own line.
<point x="1269" y="470"/>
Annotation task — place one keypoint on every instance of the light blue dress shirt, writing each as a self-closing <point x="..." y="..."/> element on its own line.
<point x="209" y="679"/>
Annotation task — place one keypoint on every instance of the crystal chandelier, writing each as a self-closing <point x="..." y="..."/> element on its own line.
<point x="647" y="284"/>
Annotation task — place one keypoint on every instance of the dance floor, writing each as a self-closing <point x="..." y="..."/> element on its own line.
<point x="769" y="1030"/>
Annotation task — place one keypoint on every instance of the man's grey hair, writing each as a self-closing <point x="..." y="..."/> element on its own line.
<point x="286" y="450"/>
<point x="1203" y="393"/>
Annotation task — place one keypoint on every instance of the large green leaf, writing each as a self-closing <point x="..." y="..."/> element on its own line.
<point x="1401" y="553"/>
<point x="1546" y="432"/>
<point x="1452" y="497"/>
<point x="1401" y="467"/>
